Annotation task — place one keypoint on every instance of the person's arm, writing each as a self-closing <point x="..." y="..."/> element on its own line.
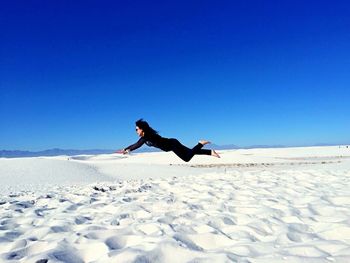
<point x="134" y="146"/>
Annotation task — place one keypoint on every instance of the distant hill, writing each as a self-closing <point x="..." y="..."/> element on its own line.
<point x="233" y="146"/>
<point x="50" y="152"/>
<point x="223" y="147"/>
<point x="265" y="146"/>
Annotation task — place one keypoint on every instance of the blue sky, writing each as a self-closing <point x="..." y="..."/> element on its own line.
<point x="77" y="74"/>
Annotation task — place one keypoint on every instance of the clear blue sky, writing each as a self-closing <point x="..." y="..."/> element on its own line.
<point x="77" y="74"/>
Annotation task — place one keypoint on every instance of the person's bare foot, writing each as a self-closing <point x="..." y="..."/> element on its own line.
<point x="204" y="142"/>
<point x="214" y="153"/>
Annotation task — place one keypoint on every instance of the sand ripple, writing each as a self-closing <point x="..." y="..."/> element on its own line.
<point x="246" y="216"/>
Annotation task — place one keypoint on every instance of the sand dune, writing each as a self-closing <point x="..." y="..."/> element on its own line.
<point x="151" y="207"/>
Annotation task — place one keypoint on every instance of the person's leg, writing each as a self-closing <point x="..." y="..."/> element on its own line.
<point x="198" y="150"/>
<point x="186" y="154"/>
<point x="181" y="151"/>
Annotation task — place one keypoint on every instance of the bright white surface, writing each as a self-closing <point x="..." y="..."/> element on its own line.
<point x="257" y="205"/>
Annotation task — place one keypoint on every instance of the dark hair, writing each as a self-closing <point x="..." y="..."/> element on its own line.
<point x="143" y="125"/>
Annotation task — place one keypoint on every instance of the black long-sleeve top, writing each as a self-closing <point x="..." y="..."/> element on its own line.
<point x="154" y="140"/>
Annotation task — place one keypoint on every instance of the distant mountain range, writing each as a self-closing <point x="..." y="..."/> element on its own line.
<point x="50" y="152"/>
<point x="232" y="146"/>
<point x="70" y="152"/>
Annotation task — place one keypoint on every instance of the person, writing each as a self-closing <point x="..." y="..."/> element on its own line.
<point x="151" y="137"/>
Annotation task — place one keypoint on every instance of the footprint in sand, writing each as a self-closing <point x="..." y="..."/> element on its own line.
<point x="60" y="229"/>
<point x="115" y="242"/>
<point x="82" y="219"/>
<point x="73" y="207"/>
<point x="228" y="221"/>
<point x="12" y="235"/>
<point x="66" y="255"/>
<point x="16" y="255"/>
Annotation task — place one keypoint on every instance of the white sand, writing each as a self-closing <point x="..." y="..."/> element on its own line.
<point x="258" y="205"/>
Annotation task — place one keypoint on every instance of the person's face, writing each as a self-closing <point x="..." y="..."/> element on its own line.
<point x="139" y="132"/>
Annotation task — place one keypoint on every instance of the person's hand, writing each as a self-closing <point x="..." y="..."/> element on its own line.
<point x="122" y="151"/>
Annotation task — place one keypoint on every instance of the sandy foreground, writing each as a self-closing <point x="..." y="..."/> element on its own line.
<point x="257" y="205"/>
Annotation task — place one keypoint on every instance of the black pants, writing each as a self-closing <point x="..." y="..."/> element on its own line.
<point x="185" y="153"/>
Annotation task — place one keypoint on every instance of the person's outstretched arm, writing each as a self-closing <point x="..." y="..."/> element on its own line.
<point x="133" y="147"/>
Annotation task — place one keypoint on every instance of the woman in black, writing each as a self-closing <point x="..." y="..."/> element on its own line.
<point x="152" y="138"/>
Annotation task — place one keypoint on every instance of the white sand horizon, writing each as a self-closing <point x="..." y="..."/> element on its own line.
<point x="253" y="205"/>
